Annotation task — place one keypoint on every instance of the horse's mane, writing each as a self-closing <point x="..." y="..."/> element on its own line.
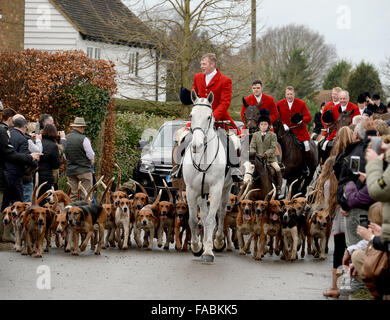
<point x="289" y="133"/>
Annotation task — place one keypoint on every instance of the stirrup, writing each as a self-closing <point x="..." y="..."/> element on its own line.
<point x="236" y="175"/>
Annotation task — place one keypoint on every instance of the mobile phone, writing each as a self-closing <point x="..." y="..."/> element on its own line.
<point x="37" y="128"/>
<point x="376" y="143"/>
<point x="355" y="164"/>
<point x="363" y="221"/>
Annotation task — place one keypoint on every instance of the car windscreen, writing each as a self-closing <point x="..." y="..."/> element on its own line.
<point x="165" y="136"/>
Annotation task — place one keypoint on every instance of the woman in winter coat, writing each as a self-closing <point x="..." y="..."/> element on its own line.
<point x="50" y="159"/>
<point x="326" y="198"/>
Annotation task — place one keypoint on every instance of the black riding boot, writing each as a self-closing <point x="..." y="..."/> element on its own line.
<point x="278" y="184"/>
<point x="306" y="161"/>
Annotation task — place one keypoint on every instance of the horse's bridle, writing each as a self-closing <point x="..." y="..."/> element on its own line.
<point x="205" y="142"/>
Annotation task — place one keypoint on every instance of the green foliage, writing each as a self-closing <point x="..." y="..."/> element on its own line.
<point x="298" y="75"/>
<point x="364" y="78"/>
<point x="128" y="130"/>
<point x="92" y="105"/>
<point x="162" y="109"/>
<point x="338" y="76"/>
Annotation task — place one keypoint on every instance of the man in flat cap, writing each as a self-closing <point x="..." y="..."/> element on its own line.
<point x="79" y="158"/>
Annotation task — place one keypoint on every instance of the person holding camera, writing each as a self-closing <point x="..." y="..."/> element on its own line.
<point x="378" y="184"/>
<point x="347" y="169"/>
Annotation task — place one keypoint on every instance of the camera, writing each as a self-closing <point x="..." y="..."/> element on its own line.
<point x="355" y="164"/>
<point x="363" y="221"/>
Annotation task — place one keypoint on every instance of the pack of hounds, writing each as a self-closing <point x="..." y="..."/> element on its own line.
<point x="274" y="226"/>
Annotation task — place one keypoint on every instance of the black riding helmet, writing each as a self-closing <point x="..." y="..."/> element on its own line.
<point x="264" y="116"/>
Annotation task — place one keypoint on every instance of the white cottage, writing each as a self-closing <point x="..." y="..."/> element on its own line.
<point x="103" y="29"/>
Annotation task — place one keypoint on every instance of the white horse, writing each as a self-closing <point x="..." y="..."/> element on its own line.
<point x="204" y="173"/>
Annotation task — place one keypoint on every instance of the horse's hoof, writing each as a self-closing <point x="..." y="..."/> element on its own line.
<point x="207" y="258"/>
<point x="199" y="253"/>
<point x="221" y="248"/>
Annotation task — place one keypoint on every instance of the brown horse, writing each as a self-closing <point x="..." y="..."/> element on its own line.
<point x="261" y="178"/>
<point x="293" y="158"/>
<point x="251" y="118"/>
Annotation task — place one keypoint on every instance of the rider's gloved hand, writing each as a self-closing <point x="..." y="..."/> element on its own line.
<point x="286" y="127"/>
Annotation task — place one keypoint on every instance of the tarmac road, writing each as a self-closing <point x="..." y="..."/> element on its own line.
<point x="154" y="275"/>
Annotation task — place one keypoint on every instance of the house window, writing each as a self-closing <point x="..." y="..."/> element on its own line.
<point x="133" y="63"/>
<point x="93" y="52"/>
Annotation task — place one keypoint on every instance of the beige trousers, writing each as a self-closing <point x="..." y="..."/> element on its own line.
<point x="275" y="165"/>
<point x="86" y="182"/>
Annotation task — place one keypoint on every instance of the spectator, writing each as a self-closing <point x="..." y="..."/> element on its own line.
<point x="357" y="119"/>
<point x="358" y="200"/>
<point x="342" y="170"/>
<point x="15" y="171"/>
<point x="356" y="252"/>
<point x="44" y="120"/>
<point x="317" y="121"/>
<point x="9" y="154"/>
<point x="79" y="158"/>
<point x="326" y="198"/>
<point x="378" y="183"/>
<point x="379" y="106"/>
<point x="7" y="118"/>
<point x="34" y="145"/>
<point x="382" y="127"/>
<point x="344" y="137"/>
<point x="50" y="159"/>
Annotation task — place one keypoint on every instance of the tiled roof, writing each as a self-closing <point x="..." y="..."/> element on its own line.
<point x="105" y="20"/>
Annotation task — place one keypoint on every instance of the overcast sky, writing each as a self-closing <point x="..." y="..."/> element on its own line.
<point x="367" y="36"/>
<point x="359" y="29"/>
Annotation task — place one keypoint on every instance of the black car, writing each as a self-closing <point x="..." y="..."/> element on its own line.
<point x="157" y="157"/>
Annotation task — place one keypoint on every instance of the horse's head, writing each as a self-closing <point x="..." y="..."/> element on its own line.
<point x="344" y="119"/>
<point x="202" y="120"/>
<point x="278" y="128"/>
<point x="251" y="117"/>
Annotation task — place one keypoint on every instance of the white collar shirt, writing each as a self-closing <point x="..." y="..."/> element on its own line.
<point x="210" y="76"/>
<point x="258" y="99"/>
<point x="290" y="104"/>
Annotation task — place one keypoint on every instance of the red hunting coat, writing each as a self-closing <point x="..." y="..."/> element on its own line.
<point x="298" y="106"/>
<point x="221" y="86"/>
<point x="267" y="102"/>
<point x="336" y="112"/>
<point x="328" y="106"/>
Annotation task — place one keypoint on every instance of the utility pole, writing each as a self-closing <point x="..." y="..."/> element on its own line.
<point x="253" y="33"/>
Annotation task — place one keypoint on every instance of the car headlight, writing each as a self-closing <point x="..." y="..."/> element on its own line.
<point x="146" y="166"/>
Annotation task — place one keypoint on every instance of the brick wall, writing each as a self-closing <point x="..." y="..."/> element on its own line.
<point x="12" y="25"/>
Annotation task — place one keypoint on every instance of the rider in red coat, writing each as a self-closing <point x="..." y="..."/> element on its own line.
<point x="329" y="106"/>
<point x="344" y="106"/>
<point x="212" y="80"/>
<point x="266" y="101"/>
<point x="294" y="115"/>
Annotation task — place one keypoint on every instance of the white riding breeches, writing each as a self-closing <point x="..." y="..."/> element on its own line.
<point x="307" y="145"/>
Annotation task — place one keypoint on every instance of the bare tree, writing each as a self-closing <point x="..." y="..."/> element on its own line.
<point x="183" y="30"/>
<point x="277" y="45"/>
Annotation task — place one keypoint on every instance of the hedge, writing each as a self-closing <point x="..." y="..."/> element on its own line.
<point x="162" y="109"/>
